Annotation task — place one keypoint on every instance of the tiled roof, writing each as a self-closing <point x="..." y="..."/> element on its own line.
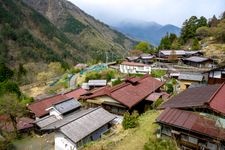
<point x="192" y="121"/>
<point x="68" y="105"/>
<point x="75" y="93"/>
<point x="154" y="96"/>
<point x="39" y="107"/>
<point x="131" y="92"/>
<point x="133" y="64"/>
<point x="190" y="76"/>
<point x="87" y="124"/>
<point x="78" y="125"/>
<point x="211" y="96"/>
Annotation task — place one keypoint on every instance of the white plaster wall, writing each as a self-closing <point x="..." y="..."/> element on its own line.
<point x="108" y="99"/>
<point x="216" y="74"/>
<point x="134" y="69"/>
<point x="63" y="143"/>
<point x="54" y="112"/>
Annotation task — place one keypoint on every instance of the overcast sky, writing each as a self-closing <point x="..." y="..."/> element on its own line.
<point x="161" y="11"/>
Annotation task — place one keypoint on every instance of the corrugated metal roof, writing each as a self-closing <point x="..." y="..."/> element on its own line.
<point x="67" y="105"/>
<point x="22" y="123"/>
<point x="218" y="101"/>
<point x="129" y="93"/>
<point x="76" y="93"/>
<point x="85" y="125"/>
<point x="46" y="121"/>
<point x="192" y="121"/>
<point x="154" y="96"/>
<point x="193" y="97"/>
<point x="190" y="76"/>
<point x="39" y="107"/>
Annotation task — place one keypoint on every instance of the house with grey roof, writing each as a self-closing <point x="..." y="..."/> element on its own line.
<point x="78" y="128"/>
<point x="197" y="61"/>
<point x="187" y="78"/>
<point x="64" y="107"/>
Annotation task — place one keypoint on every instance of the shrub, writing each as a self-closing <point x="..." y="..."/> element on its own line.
<point x="156" y="103"/>
<point x="158" y="73"/>
<point x="130" y="121"/>
<point x="92" y="76"/>
<point x="116" y="82"/>
<point x="169" y="88"/>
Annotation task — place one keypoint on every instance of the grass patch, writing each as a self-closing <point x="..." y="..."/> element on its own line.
<point x="130" y="139"/>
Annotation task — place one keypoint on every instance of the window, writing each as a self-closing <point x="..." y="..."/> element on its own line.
<point x="193" y="140"/>
<point x="184" y="137"/>
<point x="166" y="131"/>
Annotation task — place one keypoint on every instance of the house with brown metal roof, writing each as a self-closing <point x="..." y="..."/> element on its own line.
<point x="195" y="118"/>
<point x="128" y="95"/>
<point x="38" y="108"/>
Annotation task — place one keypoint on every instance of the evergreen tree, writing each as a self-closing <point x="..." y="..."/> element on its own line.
<point x="5" y="72"/>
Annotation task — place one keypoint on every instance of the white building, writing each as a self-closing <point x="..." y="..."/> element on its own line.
<point x="77" y="128"/>
<point x="134" y="68"/>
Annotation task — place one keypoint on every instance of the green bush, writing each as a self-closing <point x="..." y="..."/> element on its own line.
<point x="156" y="103"/>
<point x="5" y="73"/>
<point x="130" y="120"/>
<point x="160" y="144"/>
<point x="169" y="88"/>
<point x="158" y="73"/>
<point x="9" y="87"/>
<point x="92" y="76"/>
<point x="116" y="82"/>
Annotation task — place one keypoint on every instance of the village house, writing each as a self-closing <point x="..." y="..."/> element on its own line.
<point x="142" y="58"/>
<point x="187" y="78"/>
<point x="127" y="96"/>
<point x="77" y="128"/>
<point x="199" y="62"/>
<point x="195" y="118"/>
<point x="134" y="68"/>
<point x="146" y="58"/>
<point x="165" y="55"/>
<point x="24" y="124"/>
<point x="39" y="107"/>
<point x="216" y="75"/>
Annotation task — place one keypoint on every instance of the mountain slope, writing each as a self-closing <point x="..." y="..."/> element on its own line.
<point x="84" y="30"/>
<point x="26" y="36"/>
<point x="147" y="31"/>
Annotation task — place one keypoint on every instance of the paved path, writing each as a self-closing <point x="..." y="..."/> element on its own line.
<point x="72" y="82"/>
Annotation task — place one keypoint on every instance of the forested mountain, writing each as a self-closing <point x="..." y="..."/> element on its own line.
<point x="86" y="32"/>
<point x="151" y="32"/>
<point x="54" y="30"/>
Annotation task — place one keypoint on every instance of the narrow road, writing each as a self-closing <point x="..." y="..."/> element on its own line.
<point x="72" y="82"/>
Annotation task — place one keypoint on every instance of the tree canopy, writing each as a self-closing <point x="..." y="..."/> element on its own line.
<point x="145" y="47"/>
<point x="170" y="41"/>
<point x="190" y="26"/>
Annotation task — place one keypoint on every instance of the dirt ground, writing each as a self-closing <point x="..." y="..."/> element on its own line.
<point x="35" y="142"/>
